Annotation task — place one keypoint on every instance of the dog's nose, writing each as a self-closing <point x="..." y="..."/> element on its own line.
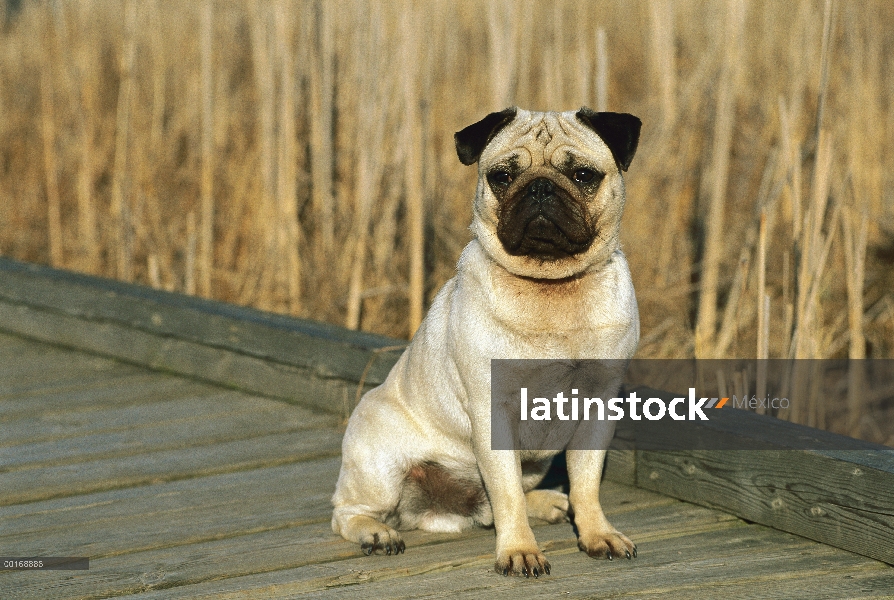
<point x="540" y="189"/>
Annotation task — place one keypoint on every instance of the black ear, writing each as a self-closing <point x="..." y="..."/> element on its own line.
<point x="470" y="142"/>
<point x="619" y="131"/>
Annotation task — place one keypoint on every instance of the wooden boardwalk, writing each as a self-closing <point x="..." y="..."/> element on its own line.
<point x="180" y="489"/>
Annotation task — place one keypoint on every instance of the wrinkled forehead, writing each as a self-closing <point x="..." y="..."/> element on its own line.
<point x="546" y="138"/>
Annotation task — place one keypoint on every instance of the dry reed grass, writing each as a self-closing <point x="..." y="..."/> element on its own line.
<point x="297" y="156"/>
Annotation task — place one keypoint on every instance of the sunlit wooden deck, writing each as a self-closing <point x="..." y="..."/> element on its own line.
<point x="178" y="488"/>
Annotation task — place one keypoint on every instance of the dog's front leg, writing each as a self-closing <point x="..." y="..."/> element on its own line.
<point x="517" y="551"/>
<point x="596" y="536"/>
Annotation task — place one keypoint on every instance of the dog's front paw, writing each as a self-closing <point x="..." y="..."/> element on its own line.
<point x="522" y="561"/>
<point x="386" y="540"/>
<point x="607" y="545"/>
<point x="548" y="505"/>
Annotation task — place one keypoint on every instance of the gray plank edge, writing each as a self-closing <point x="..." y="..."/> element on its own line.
<point x="220" y="366"/>
<point x="838" y="502"/>
<point x="323" y="349"/>
<point x="838" y="493"/>
<point x="739" y="429"/>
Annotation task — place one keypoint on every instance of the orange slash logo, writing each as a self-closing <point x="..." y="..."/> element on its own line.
<point x="719" y="404"/>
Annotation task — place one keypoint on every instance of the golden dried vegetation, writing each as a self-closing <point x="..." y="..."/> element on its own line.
<point x="298" y="156"/>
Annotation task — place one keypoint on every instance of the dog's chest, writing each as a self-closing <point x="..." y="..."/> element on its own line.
<point x="502" y="315"/>
<point x="568" y="315"/>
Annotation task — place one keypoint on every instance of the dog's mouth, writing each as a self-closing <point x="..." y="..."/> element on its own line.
<point x="543" y="221"/>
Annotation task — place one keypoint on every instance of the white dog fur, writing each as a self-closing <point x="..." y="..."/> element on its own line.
<point x="417" y="450"/>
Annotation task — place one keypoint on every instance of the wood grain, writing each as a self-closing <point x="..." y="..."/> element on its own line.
<point x="304" y="361"/>
<point x="180" y="488"/>
<point x="843" y="503"/>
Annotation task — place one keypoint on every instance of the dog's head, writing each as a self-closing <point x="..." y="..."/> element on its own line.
<point x="550" y="192"/>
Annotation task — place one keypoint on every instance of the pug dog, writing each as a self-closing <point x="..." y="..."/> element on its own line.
<point x="543" y="277"/>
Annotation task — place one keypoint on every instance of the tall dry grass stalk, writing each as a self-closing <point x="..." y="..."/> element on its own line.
<point x="413" y="152"/>
<point x="601" y="70"/>
<point x="855" y="230"/>
<point x="206" y="236"/>
<point x="502" y="34"/>
<point x="120" y="211"/>
<point x="265" y="216"/>
<point x="54" y="212"/>
<point x="299" y="157"/>
<point x="763" y="310"/>
<point x="321" y="83"/>
<point x="705" y="328"/>
<point x="288" y="238"/>
<point x="189" y="279"/>
<point x="661" y="22"/>
<point x="814" y="252"/>
<point x="85" y="100"/>
<point x="373" y="102"/>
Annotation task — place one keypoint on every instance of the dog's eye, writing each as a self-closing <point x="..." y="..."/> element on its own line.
<point x="500" y="178"/>
<point x="584" y="175"/>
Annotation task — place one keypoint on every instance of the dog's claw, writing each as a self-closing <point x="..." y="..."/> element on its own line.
<point x="634" y="551"/>
<point x="387" y="543"/>
<point x="627" y="552"/>
<point x="608" y="554"/>
<point x="523" y="563"/>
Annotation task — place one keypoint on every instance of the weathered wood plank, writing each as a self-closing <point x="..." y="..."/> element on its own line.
<point x="736" y="429"/>
<point x="11" y="345"/>
<point x="261" y="552"/>
<point x="60" y="424"/>
<point x="174" y="513"/>
<point x="139" y="407"/>
<point x="221" y="418"/>
<point x="49" y="366"/>
<point x="278" y="356"/>
<point x="464" y="567"/>
<point x="314" y="546"/>
<point x="41" y="483"/>
<point x="127" y="388"/>
<point x="620" y="466"/>
<point x="33" y="357"/>
<point x="844" y="503"/>
<point x="222" y="366"/>
<point x="697" y="566"/>
<point x="73" y="382"/>
<point x="839" y="493"/>
<point x="291" y="493"/>
<point x="321" y="350"/>
<point x="178" y="315"/>
<point x="869" y="581"/>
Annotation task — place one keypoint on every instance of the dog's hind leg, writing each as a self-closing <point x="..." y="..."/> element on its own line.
<point x="363" y="504"/>
<point x="373" y="536"/>
<point x="371" y="479"/>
